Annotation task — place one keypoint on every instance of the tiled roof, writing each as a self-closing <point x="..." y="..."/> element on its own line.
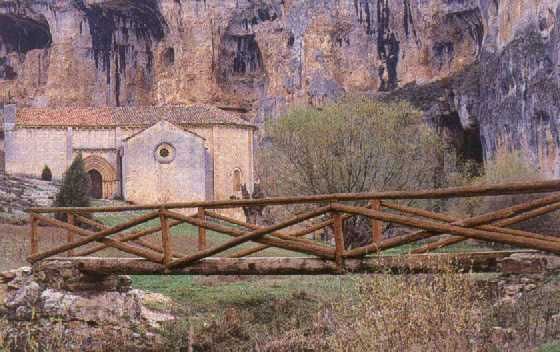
<point x="126" y="116"/>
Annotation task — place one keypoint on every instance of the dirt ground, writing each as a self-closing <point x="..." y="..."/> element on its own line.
<point x="15" y="243"/>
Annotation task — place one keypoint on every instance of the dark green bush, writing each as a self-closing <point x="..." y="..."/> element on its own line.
<point x="75" y="187"/>
<point x="46" y="174"/>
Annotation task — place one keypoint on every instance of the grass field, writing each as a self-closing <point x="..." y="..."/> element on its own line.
<point x="550" y="347"/>
<point x="202" y="292"/>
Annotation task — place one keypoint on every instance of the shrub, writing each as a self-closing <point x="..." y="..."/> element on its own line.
<point x="46" y="174"/>
<point x="75" y="187"/>
<point x="506" y="167"/>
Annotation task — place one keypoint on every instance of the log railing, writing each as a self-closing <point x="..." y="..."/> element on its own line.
<point x="380" y="208"/>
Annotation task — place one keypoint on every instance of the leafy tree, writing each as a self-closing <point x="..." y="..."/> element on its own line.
<point x="46" y="174"/>
<point x="356" y="145"/>
<point x="75" y="187"/>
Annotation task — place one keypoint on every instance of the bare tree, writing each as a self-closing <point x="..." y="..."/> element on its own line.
<point x="356" y="145"/>
<point x="253" y="212"/>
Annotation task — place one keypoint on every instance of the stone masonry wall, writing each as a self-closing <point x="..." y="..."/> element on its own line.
<point x="146" y="180"/>
<point x="232" y="151"/>
<point x="61" y="309"/>
<point x="29" y="150"/>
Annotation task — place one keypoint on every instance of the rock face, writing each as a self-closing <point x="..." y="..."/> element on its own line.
<point x="20" y="193"/>
<point x="494" y="62"/>
<point x="62" y="309"/>
<point x="259" y="55"/>
<point x="519" y="91"/>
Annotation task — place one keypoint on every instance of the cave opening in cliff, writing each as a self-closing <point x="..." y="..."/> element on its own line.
<point x="7" y="72"/>
<point x="247" y="57"/>
<point x="123" y="37"/>
<point x="20" y="34"/>
<point x="112" y="26"/>
<point x="240" y="68"/>
<point x="465" y="142"/>
<point x="472" y="146"/>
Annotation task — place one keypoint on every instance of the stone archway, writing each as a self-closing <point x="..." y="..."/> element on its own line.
<point x="99" y="166"/>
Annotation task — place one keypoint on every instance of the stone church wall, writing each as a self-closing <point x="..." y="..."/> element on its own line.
<point x="28" y="150"/>
<point x="109" y="154"/>
<point x="207" y="157"/>
<point x="94" y="138"/>
<point x="150" y="179"/>
<point x="229" y="148"/>
<point x="232" y="151"/>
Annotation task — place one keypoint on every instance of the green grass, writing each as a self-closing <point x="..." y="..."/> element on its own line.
<point x="263" y="303"/>
<point x="404" y="249"/>
<point x="209" y="293"/>
<point x="458" y="247"/>
<point x="550" y="347"/>
<point x="464" y="246"/>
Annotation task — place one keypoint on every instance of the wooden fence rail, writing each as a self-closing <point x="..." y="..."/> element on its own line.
<point x="131" y="236"/>
<point x="454" y="192"/>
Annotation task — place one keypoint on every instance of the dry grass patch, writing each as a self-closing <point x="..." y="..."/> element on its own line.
<point x="409" y="313"/>
<point x="15" y="243"/>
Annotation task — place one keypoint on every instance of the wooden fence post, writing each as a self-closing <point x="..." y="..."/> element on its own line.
<point x="70" y="234"/>
<point x="339" y="241"/>
<point x="34" y="235"/>
<point x="201" y="230"/>
<point x="165" y="238"/>
<point x="376" y="225"/>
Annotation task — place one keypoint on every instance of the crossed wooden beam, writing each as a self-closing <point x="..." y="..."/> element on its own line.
<point x="488" y="227"/>
<point x="475" y="227"/>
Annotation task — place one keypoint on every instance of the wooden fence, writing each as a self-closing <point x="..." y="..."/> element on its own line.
<point x="333" y="210"/>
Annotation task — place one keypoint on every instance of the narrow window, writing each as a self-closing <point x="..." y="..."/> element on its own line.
<point x="237" y="180"/>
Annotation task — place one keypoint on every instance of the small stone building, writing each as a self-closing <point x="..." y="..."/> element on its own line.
<point x="142" y="154"/>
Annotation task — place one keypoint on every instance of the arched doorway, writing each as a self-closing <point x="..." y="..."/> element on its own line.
<point x="96" y="181"/>
<point x="103" y="177"/>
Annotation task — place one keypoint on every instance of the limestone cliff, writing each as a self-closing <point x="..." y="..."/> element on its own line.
<point x="484" y="70"/>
